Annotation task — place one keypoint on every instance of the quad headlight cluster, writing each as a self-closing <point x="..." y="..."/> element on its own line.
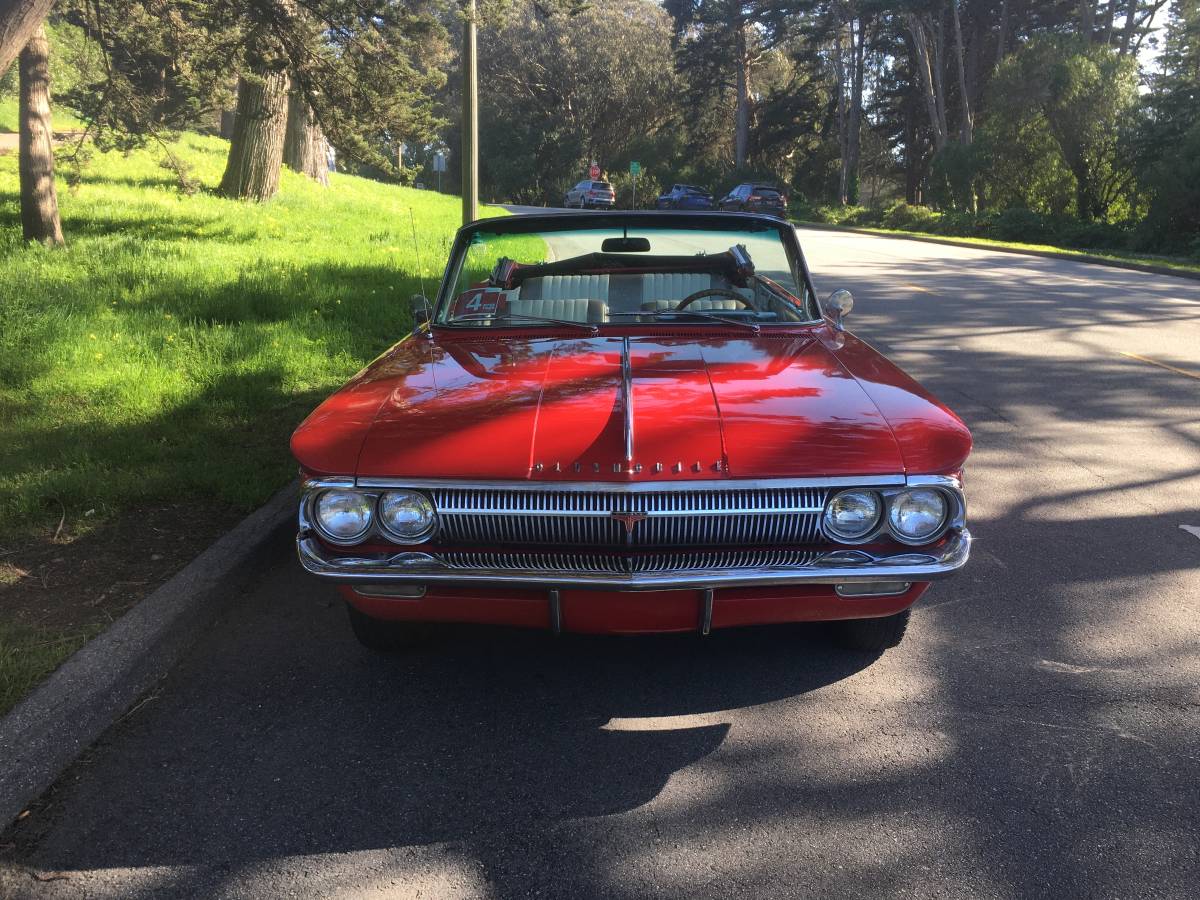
<point x="346" y="516"/>
<point x="917" y="515"/>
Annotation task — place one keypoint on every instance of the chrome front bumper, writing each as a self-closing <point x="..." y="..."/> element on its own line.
<point x="834" y="567"/>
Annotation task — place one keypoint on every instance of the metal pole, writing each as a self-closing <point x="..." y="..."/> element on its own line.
<point x="470" y="123"/>
<point x="635" y="191"/>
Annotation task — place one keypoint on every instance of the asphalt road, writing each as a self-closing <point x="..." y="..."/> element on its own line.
<point x="1036" y="735"/>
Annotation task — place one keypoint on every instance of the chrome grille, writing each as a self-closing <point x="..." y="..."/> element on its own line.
<point x="619" y="565"/>
<point x="680" y="518"/>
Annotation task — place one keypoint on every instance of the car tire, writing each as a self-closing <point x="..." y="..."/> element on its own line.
<point x="872" y="635"/>
<point x="384" y="636"/>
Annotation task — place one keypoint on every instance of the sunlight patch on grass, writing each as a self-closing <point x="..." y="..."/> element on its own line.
<point x="170" y="349"/>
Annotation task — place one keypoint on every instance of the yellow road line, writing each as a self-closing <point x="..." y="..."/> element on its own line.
<point x="1161" y="365"/>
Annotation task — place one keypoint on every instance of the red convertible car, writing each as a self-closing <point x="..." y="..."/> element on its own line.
<point x="631" y="422"/>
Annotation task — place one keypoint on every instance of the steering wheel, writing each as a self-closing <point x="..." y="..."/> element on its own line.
<point x="714" y="292"/>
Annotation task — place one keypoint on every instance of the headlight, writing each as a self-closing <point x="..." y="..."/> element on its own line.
<point x="852" y="515"/>
<point x="343" y="516"/>
<point x="408" y="516"/>
<point x="916" y="516"/>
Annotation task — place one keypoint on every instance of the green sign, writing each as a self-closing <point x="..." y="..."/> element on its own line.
<point x="635" y="168"/>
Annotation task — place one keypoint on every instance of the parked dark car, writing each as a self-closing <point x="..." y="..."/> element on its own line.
<point x="759" y="198"/>
<point x="590" y="194"/>
<point x="685" y="196"/>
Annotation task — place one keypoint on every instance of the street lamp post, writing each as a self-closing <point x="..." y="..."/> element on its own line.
<point x="470" y="123"/>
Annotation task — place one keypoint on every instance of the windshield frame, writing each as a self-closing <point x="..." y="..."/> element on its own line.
<point x="808" y="305"/>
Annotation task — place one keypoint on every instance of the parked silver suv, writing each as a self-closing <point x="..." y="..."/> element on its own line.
<point x="591" y="195"/>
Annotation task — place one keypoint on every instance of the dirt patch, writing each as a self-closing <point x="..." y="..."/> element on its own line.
<point x="70" y="581"/>
<point x="10" y="140"/>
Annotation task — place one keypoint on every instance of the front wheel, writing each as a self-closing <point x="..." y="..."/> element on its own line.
<point x="873" y="635"/>
<point x="385" y="636"/>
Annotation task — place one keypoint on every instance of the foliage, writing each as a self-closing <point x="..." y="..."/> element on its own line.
<point x="1082" y="97"/>
<point x="368" y="68"/>
<point x="649" y="186"/>
<point x="1173" y="220"/>
<point x="1168" y="142"/>
<point x="562" y="90"/>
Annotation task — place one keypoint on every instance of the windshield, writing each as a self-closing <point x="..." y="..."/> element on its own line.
<point x="596" y="276"/>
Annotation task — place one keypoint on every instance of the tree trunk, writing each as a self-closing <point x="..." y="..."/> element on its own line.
<point x="965" y="126"/>
<point x="912" y="166"/>
<point x="741" y="138"/>
<point x="854" y="120"/>
<point x="39" y="199"/>
<point x="1087" y="20"/>
<point x="18" y="21"/>
<point x="304" y="146"/>
<point x="1002" y="32"/>
<point x="1128" y="28"/>
<point x="843" y="118"/>
<point x="928" y="64"/>
<point x="256" y="150"/>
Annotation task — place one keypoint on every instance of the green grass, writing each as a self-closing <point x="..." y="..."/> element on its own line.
<point x="171" y="348"/>
<point x="28" y="655"/>
<point x="1169" y="262"/>
<point x="61" y="118"/>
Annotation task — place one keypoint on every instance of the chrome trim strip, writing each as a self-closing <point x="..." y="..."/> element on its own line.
<point x="606" y="514"/>
<point x="627" y="398"/>
<point x="341" y="481"/>
<point x="904" y="589"/>
<point x="833" y="567"/>
<point x="635" y="487"/>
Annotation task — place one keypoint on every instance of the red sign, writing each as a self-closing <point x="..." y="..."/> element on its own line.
<point x="478" y="301"/>
<point x="593" y="171"/>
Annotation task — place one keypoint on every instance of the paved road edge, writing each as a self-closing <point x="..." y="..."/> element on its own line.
<point x="1111" y="263"/>
<point x="48" y="730"/>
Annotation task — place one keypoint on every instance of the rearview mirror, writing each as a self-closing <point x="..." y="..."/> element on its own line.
<point x="420" y="309"/>
<point x="625" y="245"/>
<point x="838" y="306"/>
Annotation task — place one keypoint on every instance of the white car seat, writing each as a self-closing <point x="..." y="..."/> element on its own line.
<point x="572" y="309"/>
<point x="704" y="304"/>
<point x="571" y="287"/>
<point x="673" y="287"/>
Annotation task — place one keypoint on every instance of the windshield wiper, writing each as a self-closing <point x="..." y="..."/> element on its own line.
<point x="489" y="317"/>
<point x="695" y="314"/>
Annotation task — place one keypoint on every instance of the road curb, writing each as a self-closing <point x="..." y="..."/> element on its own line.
<point x="1046" y="254"/>
<point x="44" y="733"/>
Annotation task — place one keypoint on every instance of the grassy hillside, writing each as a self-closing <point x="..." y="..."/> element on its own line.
<point x="171" y="348"/>
<point x="152" y="371"/>
<point x="61" y="118"/>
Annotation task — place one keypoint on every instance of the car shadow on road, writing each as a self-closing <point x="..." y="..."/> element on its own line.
<point x="280" y="736"/>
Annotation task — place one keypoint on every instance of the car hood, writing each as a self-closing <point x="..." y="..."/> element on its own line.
<point x="547" y="408"/>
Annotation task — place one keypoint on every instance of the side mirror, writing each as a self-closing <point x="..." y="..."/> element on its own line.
<point x="420" y="309"/>
<point x="838" y="306"/>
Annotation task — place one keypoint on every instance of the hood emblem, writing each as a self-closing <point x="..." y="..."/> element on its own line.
<point x="628" y="519"/>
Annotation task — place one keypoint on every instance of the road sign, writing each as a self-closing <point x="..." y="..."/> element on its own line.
<point x="635" y="168"/>
<point x="593" y="171"/>
<point x="439" y="162"/>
